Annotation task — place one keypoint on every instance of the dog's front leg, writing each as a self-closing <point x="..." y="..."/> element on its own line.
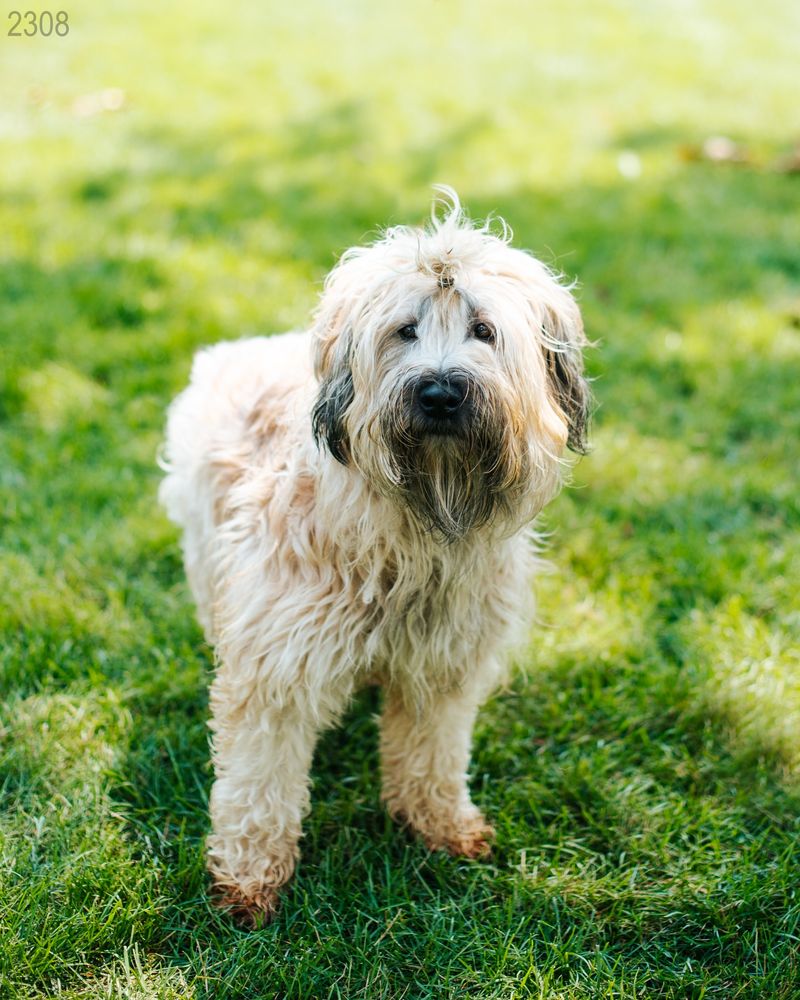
<point x="262" y="757"/>
<point x="425" y="756"/>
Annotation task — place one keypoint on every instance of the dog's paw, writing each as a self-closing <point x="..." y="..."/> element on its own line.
<point x="471" y="839"/>
<point x="250" y="910"/>
<point x="472" y="842"/>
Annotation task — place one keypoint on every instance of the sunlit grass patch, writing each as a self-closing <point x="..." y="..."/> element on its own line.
<point x="135" y="975"/>
<point x="71" y="884"/>
<point x="752" y="680"/>
<point x="55" y="396"/>
<point x="65" y="742"/>
<point x="61" y="599"/>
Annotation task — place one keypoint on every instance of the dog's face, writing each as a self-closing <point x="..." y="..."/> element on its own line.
<point x="450" y="373"/>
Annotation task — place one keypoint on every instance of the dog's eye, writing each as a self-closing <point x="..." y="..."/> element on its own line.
<point x="484" y="332"/>
<point x="408" y="332"/>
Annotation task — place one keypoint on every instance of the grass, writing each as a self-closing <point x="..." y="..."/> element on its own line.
<point x="643" y="771"/>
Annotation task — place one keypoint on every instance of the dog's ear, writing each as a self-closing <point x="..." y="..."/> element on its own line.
<point x="563" y="341"/>
<point x="332" y="365"/>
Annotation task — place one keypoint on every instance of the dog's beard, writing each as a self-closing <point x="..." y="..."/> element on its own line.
<point x="458" y="479"/>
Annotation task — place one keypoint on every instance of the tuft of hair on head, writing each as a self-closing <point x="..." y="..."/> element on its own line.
<point x="443" y="272"/>
<point x="447" y="199"/>
<point x="437" y="240"/>
<point x="448" y="212"/>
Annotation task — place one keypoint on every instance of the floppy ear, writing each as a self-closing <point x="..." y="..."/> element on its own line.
<point x="333" y="352"/>
<point x="563" y="341"/>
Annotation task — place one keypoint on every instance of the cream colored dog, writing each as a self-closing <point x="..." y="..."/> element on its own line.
<point x="356" y="505"/>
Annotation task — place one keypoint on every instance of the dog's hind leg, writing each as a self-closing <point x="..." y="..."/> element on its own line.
<point x="425" y="756"/>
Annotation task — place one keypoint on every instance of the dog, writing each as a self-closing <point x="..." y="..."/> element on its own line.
<point x="357" y="505"/>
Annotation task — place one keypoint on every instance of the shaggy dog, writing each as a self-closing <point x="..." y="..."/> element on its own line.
<point x="356" y="504"/>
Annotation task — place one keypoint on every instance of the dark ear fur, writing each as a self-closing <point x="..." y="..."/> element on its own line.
<point x="327" y="417"/>
<point x="563" y="341"/>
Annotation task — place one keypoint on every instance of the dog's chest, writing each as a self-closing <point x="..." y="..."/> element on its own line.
<point x="432" y="615"/>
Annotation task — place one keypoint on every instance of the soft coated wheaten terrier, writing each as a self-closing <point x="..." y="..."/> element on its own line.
<point x="356" y="504"/>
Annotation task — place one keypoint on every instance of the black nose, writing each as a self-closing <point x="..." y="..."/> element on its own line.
<point x="442" y="397"/>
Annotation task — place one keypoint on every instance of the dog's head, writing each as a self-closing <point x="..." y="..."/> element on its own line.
<point x="451" y="373"/>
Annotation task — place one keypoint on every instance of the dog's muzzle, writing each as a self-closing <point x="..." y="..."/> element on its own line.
<point x="440" y="402"/>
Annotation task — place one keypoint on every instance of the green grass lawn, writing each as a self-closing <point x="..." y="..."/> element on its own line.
<point x="643" y="769"/>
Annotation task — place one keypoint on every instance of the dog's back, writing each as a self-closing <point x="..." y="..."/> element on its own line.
<point x="240" y="395"/>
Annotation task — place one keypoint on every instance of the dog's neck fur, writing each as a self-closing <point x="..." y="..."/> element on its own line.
<point x="388" y="532"/>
